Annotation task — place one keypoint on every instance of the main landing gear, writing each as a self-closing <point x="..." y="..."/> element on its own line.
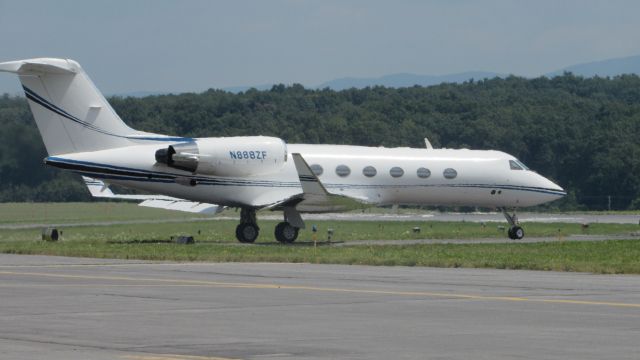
<point x="515" y="231"/>
<point x="247" y="231"/>
<point x="286" y="232"/>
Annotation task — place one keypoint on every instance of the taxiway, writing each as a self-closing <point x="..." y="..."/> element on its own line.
<point x="69" y="308"/>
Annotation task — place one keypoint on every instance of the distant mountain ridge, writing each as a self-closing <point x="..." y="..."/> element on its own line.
<point x="406" y="80"/>
<point x="604" y="68"/>
<point x="609" y="67"/>
<point x="393" y="80"/>
<point x="237" y="89"/>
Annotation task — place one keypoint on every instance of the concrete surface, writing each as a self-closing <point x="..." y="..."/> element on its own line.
<point x="66" y="308"/>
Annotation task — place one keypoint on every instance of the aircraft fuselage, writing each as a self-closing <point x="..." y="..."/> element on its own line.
<point x="375" y="175"/>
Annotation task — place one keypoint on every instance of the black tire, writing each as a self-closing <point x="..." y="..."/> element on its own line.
<point x="247" y="233"/>
<point x="516" y="233"/>
<point x="285" y="233"/>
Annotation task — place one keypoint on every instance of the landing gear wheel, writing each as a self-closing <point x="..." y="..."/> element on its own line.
<point x="516" y="233"/>
<point x="286" y="233"/>
<point x="247" y="232"/>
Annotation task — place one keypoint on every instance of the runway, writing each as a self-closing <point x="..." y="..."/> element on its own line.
<point x="70" y="308"/>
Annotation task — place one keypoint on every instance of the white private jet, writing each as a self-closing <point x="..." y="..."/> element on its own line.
<point x="82" y="133"/>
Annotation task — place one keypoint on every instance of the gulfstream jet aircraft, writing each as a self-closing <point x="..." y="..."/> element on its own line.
<point x="82" y="133"/>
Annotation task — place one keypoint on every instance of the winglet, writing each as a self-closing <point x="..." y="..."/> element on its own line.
<point x="315" y="197"/>
<point x="309" y="181"/>
<point x="427" y="144"/>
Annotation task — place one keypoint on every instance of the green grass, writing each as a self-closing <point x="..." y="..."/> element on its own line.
<point x="619" y="256"/>
<point x="223" y="231"/>
<point x="16" y="213"/>
<point x="216" y="241"/>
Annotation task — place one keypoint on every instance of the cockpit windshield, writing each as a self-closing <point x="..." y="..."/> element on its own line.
<point x="517" y="165"/>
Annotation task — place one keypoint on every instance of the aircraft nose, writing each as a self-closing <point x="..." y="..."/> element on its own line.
<point x="554" y="188"/>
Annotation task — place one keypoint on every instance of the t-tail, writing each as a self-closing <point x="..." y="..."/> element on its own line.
<point x="71" y="114"/>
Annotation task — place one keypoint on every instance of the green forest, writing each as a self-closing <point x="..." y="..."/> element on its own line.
<point x="580" y="132"/>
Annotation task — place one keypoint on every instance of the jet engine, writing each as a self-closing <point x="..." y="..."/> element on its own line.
<point x="227" y="156"/>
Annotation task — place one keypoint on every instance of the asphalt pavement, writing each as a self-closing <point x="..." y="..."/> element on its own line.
<point x="73" y="308"/>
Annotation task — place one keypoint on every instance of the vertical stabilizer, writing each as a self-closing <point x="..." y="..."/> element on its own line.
<point x="71" y="114"/>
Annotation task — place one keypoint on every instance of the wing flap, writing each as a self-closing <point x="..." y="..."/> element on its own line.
<point x="182" y="205"/>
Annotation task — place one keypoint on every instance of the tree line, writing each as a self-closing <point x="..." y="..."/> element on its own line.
<point x="581" y="132"/>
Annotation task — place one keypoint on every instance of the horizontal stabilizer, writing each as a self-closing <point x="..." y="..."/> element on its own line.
<point x="40" y="66"/>
<point x="99" y="189"/>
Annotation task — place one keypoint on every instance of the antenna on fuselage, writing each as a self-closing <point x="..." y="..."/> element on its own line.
<point x="427" y="143"/>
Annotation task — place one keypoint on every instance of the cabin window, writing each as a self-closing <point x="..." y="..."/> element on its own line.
<point x="369" y="171"/>
<point x="514" y="165"/>
<point x="396" y="172"/>
<point x="450" y="173"/>
<point x="424" y="173"/>
<point x="317" y="169"/>
<point x="343" y="170"/>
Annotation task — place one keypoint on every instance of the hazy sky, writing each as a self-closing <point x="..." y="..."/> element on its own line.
<point x="136" y="45"/>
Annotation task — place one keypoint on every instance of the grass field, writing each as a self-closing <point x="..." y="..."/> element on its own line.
<point x="216" y="242"/>
<point x="223" y="231"/>
<point x="15" y="213"/>
<point x="614" y="256"/>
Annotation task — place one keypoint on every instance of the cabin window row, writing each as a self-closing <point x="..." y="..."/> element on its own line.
<point x="396" y="172"/>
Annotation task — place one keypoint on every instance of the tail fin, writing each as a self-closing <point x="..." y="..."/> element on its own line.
<point x="71" y="114"/>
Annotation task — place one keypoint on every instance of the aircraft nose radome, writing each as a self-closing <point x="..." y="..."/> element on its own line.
<point x="545" y="191"/>
<point x="561" y="189"/>
<point x="555" y="187"/>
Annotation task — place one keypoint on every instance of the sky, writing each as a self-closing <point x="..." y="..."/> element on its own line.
<point x="179" y="46"/>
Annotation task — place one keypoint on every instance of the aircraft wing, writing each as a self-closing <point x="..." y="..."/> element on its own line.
<point x="99" y="189"/>
<point x="315" y="197"/>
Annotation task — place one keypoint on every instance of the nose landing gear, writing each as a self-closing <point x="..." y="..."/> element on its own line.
<point x="515" y="231"/>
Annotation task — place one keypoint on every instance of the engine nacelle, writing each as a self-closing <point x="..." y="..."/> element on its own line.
<point x="227" y="156"/>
